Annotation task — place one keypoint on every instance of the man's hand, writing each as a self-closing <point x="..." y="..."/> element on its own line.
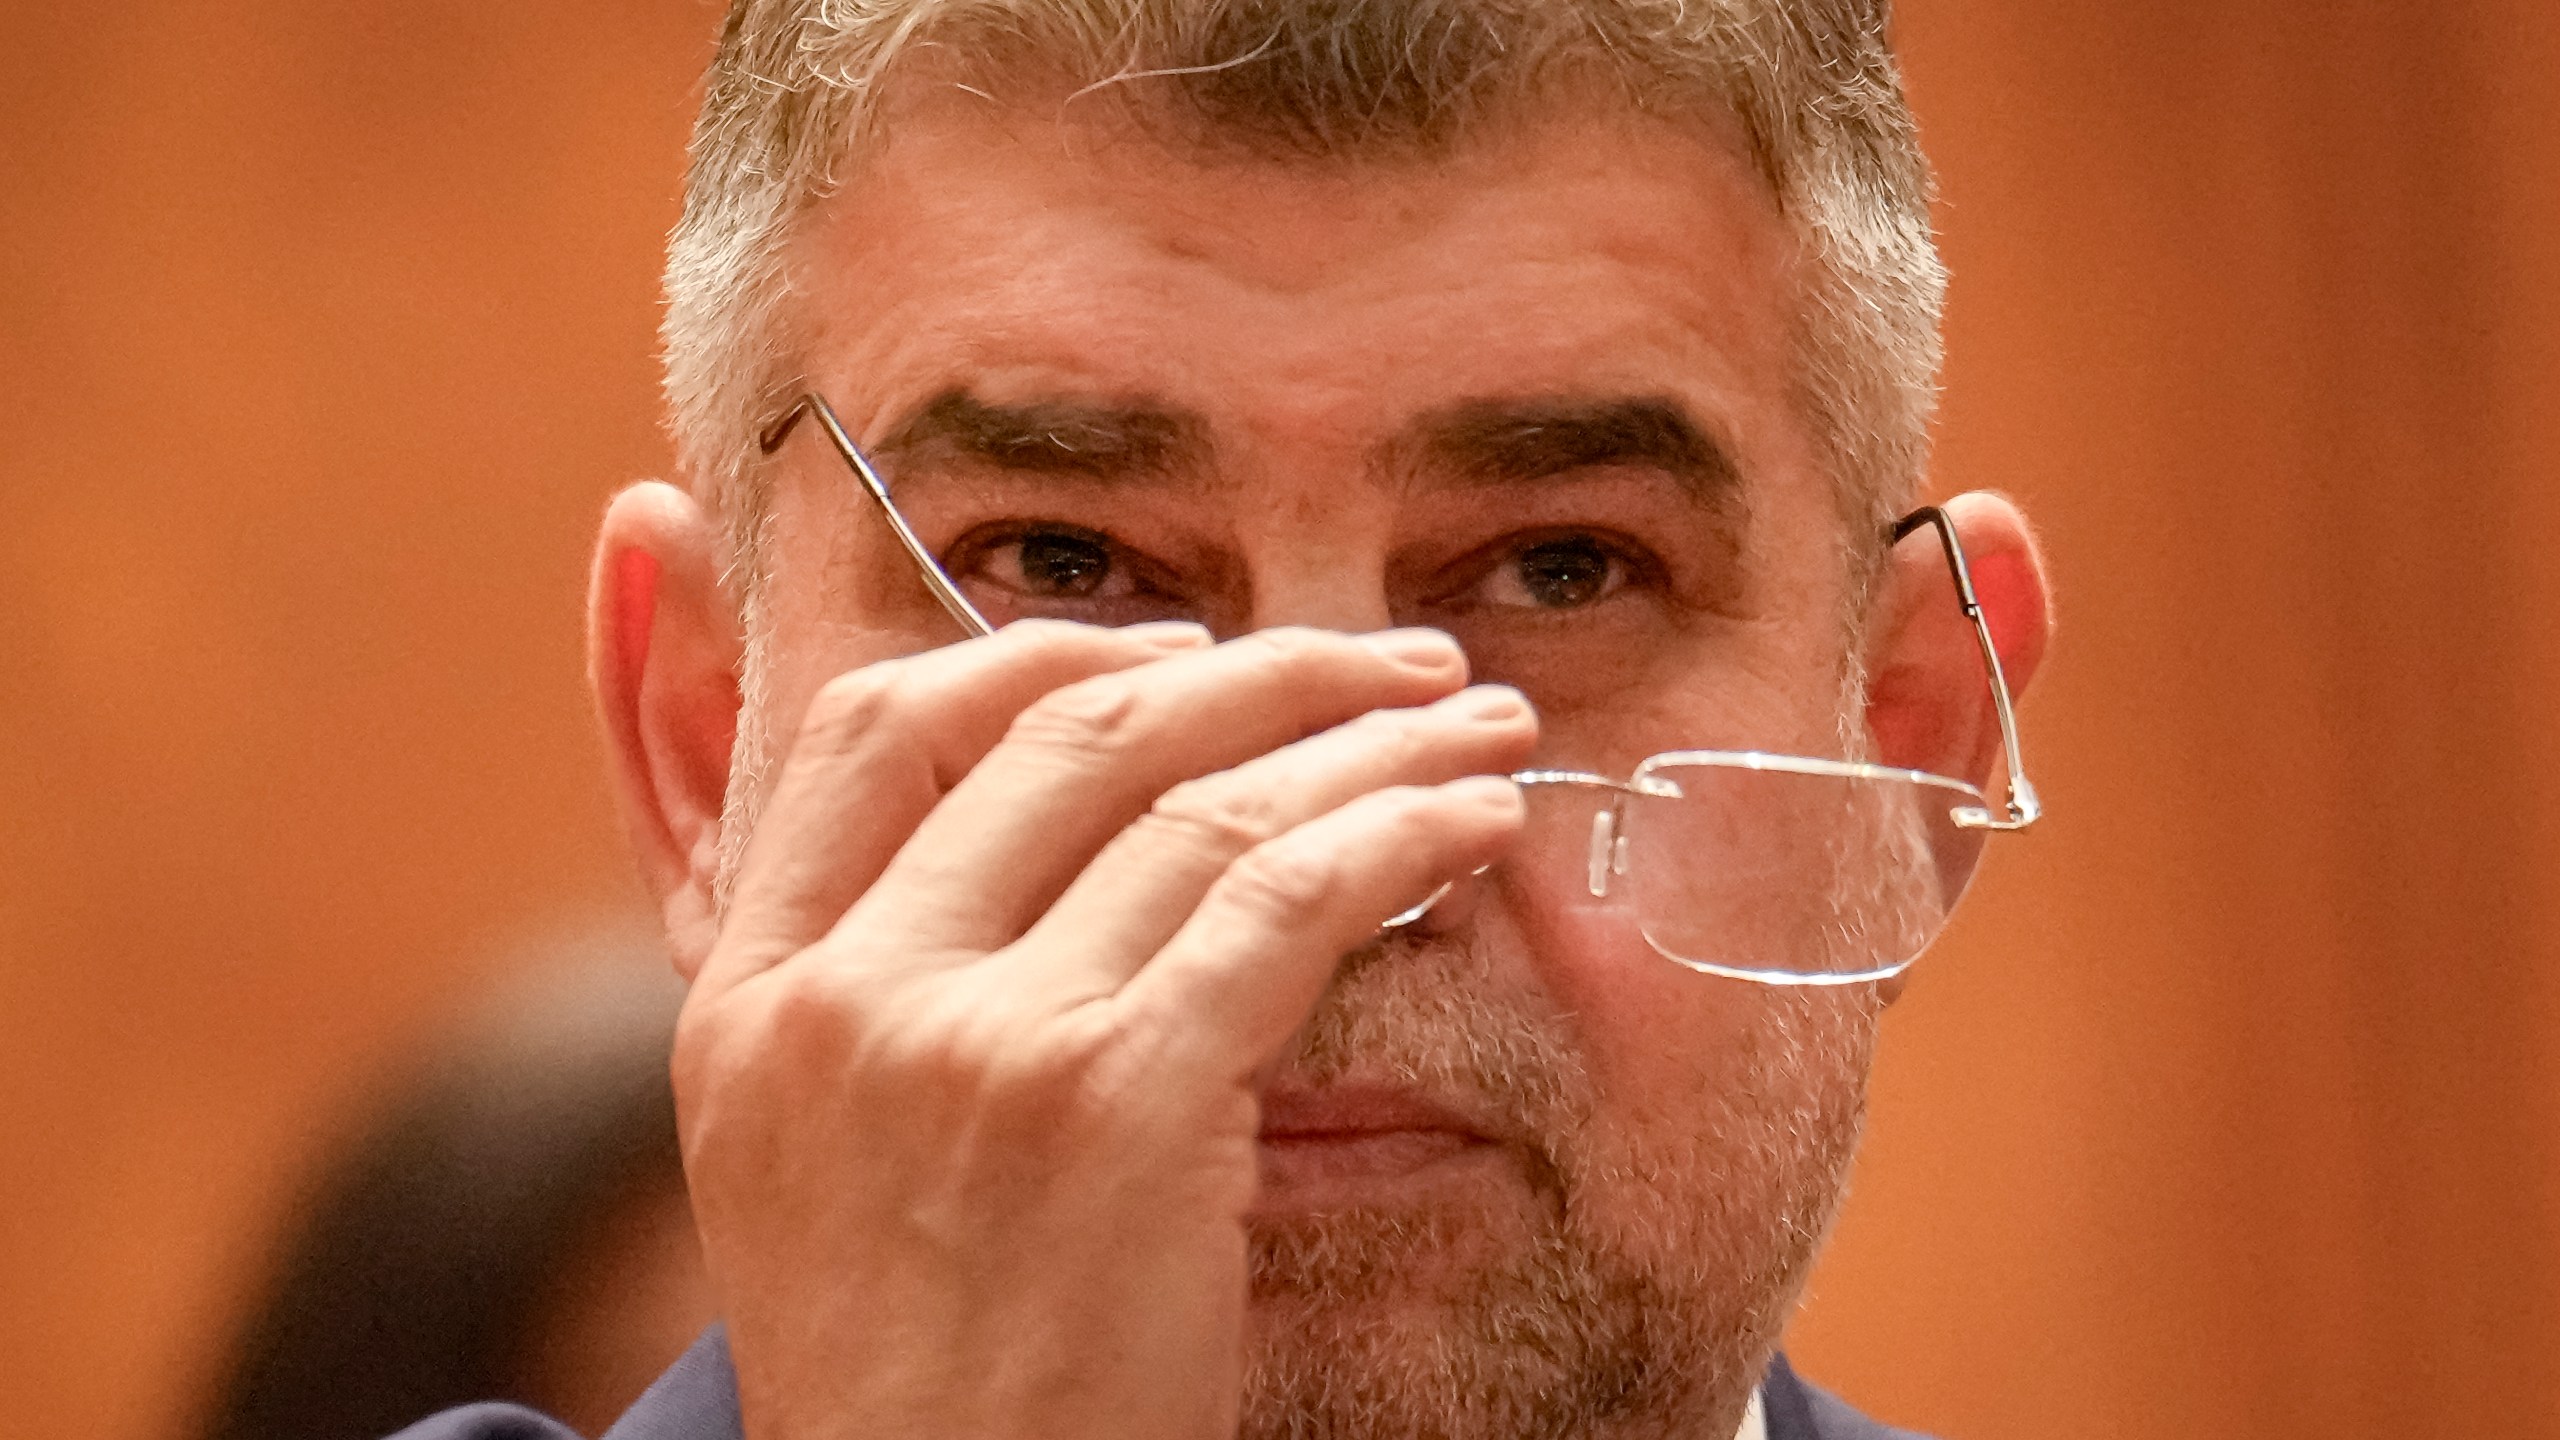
<point x="968" y="1085"/>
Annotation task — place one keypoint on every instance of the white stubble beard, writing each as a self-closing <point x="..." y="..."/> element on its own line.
<point x="1644" y="1286"/>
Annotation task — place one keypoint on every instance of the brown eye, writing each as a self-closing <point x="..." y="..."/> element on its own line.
<point x="1057" y="565"/>
<point x="1568" y="573"/>
<point x="1045" y="563"/>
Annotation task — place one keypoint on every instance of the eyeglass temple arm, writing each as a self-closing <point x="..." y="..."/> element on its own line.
<point x="931" y="570"/>
<point x="2020" y="800"/>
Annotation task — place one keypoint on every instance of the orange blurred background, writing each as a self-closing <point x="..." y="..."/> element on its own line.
<point x="2231" y="1109"/>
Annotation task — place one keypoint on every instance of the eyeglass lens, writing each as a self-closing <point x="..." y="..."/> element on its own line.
<point x="1770" y="875"/>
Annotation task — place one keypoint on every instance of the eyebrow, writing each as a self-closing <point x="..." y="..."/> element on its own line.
<point x="1481" y="442"/>
<point x="1052" y="437"/>
<point x="1511" y="441"/>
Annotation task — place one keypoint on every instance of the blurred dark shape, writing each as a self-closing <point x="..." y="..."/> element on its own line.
<point x="512" y="1225"/>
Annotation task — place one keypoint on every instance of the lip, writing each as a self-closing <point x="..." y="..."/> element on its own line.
<point x="1348" y="1145"/>
<point x="1347" y="1110"/>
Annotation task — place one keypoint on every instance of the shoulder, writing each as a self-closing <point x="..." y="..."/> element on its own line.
<point x="1799" y="1411"/>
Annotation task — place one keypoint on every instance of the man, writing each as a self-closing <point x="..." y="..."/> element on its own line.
<point x="1184" y="1012"/>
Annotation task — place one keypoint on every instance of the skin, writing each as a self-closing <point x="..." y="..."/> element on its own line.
<point x="976" y="1065"/>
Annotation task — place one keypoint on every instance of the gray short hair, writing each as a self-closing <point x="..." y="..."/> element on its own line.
<point x="796" y="87"/>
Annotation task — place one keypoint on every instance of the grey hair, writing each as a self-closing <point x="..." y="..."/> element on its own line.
<point x="796" y="89"/>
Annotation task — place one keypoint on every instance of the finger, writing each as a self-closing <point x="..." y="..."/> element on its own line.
<point x="1083" y="762"/>
<point x="876" y="750"/>
<point x="1247" y="968"/>
<point x="1129" y="903"/>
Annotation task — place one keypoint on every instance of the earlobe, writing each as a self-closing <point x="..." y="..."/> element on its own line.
<point x="1929" y="704"/>
<point x="663" y="653"/>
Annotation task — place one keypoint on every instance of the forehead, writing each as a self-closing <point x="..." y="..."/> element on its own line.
<point x="1063" y="249"/>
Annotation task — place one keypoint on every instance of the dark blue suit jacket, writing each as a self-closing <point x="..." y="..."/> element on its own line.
<point x="697" y="1399"/>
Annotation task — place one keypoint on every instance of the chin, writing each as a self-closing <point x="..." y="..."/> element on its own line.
<point x="1520" y="1302"/>
<point x="1371" y="1260"/>
<point x="1456" y="1238"/>
<point x="1467" y="1323"/>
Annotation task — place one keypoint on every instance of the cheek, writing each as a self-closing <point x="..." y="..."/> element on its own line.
<point x="1720" y="1109"/>
<point x="1656" y="1038"/>
<point x="809" y="634"/>
<point x="837" y="594"/>
<point x="1771" y="685"/>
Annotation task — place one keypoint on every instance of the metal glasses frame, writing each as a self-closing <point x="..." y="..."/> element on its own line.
<point x="2019" y="807"/>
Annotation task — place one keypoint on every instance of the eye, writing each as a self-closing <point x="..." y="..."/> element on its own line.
<point x="1568" y="572"/>
<point x="1053" y="563"/>
<point x="1017" y="569"/>
<point x="1048" y="563"/>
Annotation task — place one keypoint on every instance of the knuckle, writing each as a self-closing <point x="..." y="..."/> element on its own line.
<point x="1113" y="1067"/>
<point x="1282" y="880"/>
<point x="733" y="1058"/>
<point x="1404" y="732"/>
<point x="1404" y="819"/>
<point x="1401" y="744"/>
<point x="1416" y="813"/>
<point x="806" y="1017"/>
<point x="992" y="1070"/>
<point x="982" y="1081"/>
<point x="1218" y="814"/>
<point x="935" y="1054"/>
<point x="1294" y="645"/>
<point x="1042" y="1082"/>
<point x="853" y="704"/>
<point x="1091" y="718"/>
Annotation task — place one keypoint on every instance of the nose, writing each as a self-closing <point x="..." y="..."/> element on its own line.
<point x="1335" y="581"/>
<point x="1325" y="582"/>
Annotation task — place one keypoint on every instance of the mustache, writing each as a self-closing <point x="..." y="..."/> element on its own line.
<point x="1433" y="1017"/>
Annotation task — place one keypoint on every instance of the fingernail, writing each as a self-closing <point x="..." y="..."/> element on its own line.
<point x="1422" y="649"/>
<point x="1491" y="702"/>
<point x="1170" y="634"/>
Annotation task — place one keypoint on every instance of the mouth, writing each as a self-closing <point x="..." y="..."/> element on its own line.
<point x="1348" y="1147"/>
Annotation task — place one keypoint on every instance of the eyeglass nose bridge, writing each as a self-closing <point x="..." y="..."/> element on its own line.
<point x="1607" y="856"/>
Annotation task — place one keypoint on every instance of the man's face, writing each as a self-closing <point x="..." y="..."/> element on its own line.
<point x="1536" y="393"/>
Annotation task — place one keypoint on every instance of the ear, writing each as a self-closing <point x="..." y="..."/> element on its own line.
<point x="1929" y="702"/>
<point x="662" y="654"/>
